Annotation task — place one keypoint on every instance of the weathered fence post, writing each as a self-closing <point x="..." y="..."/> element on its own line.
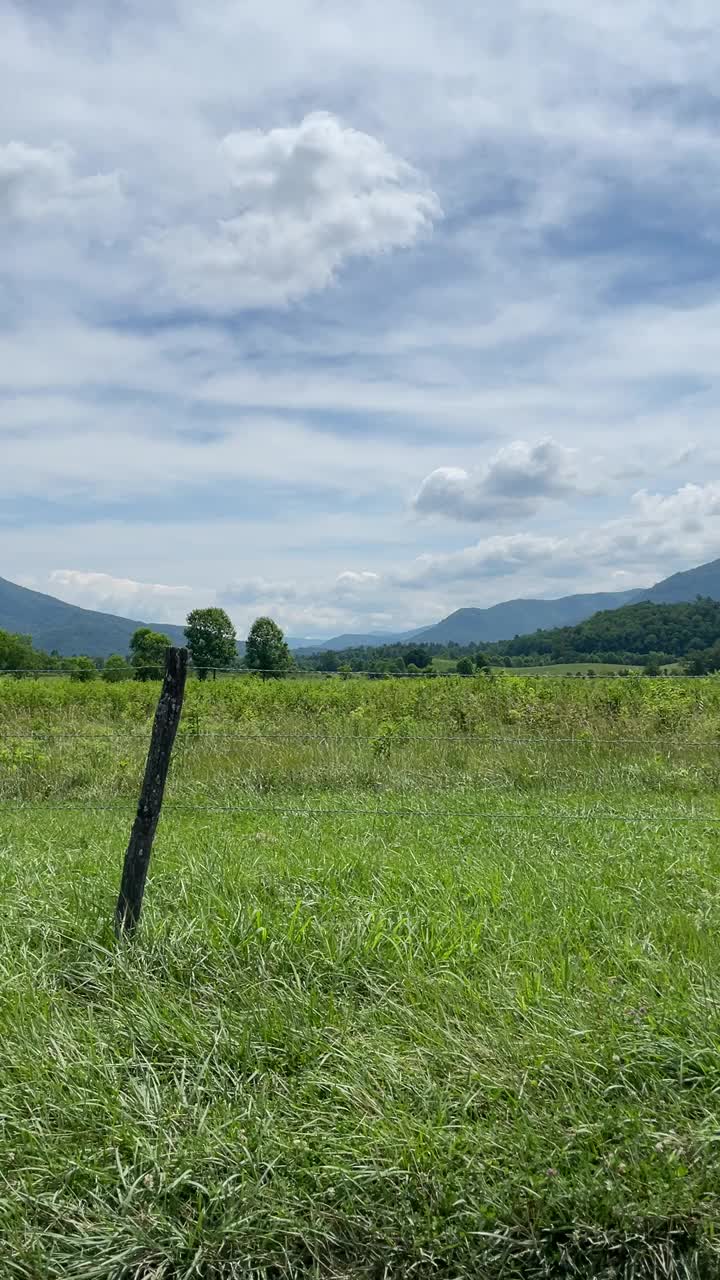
<point x="137" y="857"/>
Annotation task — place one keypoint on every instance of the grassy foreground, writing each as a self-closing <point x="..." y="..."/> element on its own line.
<point x="479" y="1037"/>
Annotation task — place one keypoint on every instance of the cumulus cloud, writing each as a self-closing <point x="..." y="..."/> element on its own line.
<point x="513" y="484"/>
<point x="125" y="596"/>
<point x="490" y="558"/>
<point x="258" y="591"/>
<point x="38" y="183"/>
<point x="305" y="200"/>
<point x="659" y="530"/>
<point x="351" y="583"/>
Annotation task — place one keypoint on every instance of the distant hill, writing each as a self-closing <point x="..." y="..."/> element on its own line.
<point x="338" y="643"/>
<point x="53" y="624"/>
<point x="69" y="629"/>
<point x="517" y="617"/>
<point x="683" y="587"/>
<point x="522" y="617"/>
<point x="620" y="635"/>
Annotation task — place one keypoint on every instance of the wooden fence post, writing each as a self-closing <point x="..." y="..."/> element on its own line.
<point x="137" y="857"/>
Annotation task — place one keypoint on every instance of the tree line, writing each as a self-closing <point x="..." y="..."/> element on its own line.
<point x="210" y="637"/>
<point x="648" y="635"/>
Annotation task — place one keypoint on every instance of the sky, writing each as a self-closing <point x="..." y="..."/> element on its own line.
<point x="356" y="313"/>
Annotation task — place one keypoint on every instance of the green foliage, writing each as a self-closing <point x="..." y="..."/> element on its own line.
<point x="17" y="654"/>
<point x="630" y="636"/>
<point x="211" y="640"/>
<point x="702" y="662"/>
<point x="147" y="650"/>
<point x="116" y="668"/>
<point x="82" y="669"/>
<point x="430" y="1028"/>
<point x="266" y="650"/>
<point x="660" y="630"/>
<point x="418" y="657"/>
<point x="465" y="667"/>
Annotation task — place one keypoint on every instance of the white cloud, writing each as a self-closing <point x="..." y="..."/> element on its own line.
<point x="147" y="600"/>
<point x="351" y="583"/>
<point x="513" y="484"/>
<point x="305" y="200"/>
<point x="660" y="530"/>
<point x="570" y="291"/>
<point x="43" y="183"/>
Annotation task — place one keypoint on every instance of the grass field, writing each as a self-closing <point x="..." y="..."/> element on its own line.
<point x="580" y="669"/>
<point x="426" y="984"/>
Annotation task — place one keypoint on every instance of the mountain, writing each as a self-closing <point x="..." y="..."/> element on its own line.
<point x="338" y="643"/>
<point x="53" y="624"/>
<point x="635" y="631"/>
<point x="683" y="587"/>
<point x="522" y="617"/>
<point x="519" y="617"/>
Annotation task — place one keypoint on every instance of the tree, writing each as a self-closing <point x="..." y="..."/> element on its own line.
<point x="266" y="650"/>
<point x="116" y="668"/>
<point x="465" y="667"/>
<point x="211" y="640"/>
<point x="482" y="662"/>
<point x="83" y="669"/>
<point x="417" y="658"/>
<point x="17" y="654"/>
<point x="147" y="653"/>
<point x="328" y="661"/>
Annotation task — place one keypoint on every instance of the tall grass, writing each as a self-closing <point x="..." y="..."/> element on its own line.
<point x="363" y="1044"/>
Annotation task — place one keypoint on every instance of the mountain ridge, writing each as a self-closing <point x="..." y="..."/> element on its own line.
<point x="71" y="629"/>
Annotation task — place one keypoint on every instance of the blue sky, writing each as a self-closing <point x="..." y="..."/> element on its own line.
<point x="355" y="313"/>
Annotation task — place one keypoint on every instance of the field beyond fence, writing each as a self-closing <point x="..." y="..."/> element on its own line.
<point x="426" y="982"/>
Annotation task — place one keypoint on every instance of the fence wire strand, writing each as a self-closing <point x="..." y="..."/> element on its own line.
<point x="186" y="735"/>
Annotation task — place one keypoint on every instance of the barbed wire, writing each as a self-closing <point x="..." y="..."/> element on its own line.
<point x="495" y="815"/>
<point x="299" y="673"/>
<point x="186" y="734"/>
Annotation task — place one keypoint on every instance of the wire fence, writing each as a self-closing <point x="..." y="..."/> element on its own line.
<point x="583" y="739"/>
<point x="154" y="672"/>
<point x="395" y="737"/>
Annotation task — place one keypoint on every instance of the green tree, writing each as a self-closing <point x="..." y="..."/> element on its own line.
<point x="83" y="669"/>
<point x="147" y="653"/>
<point x="417" y="657"/>
<point x="116" y="668"/>
<point x="482" y="662"/>
<point x="465" y="667"/>
<point x="266" y="650"/>
<point x="17" y="653"/>
<point x="328" y="661"/>
<point x="211" y="640"/>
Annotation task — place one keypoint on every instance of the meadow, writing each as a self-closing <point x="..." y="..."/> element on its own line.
<point x="426" y="982"/>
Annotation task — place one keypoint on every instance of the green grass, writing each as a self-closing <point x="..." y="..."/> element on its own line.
<point x="478" y="1039"/>
<point x="580" y="669"/>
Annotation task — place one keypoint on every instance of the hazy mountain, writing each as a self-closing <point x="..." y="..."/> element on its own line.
<point x="522" y="617"/>
<point x="53" y="624"/>
<point x="683" y="587"/>
<point x="338" y="643"/>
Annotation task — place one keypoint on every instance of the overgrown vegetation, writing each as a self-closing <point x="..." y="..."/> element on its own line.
<point x="415" y="999"/>
<point x="644" y="634"/>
